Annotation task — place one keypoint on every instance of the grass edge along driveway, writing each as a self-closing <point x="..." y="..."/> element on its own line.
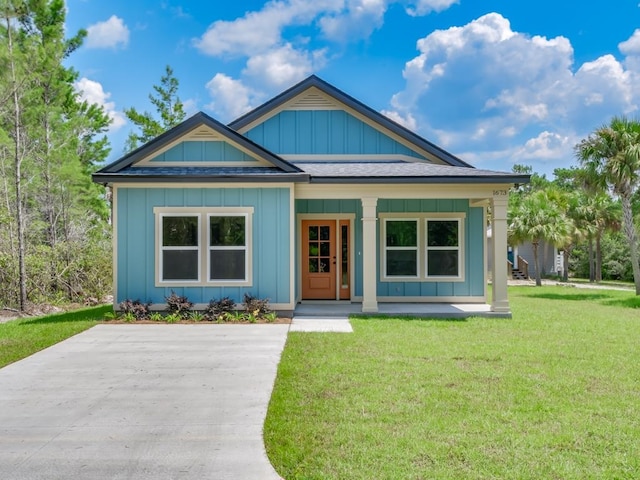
<point x="23" y="337"/>
<point x="552" y="393"/>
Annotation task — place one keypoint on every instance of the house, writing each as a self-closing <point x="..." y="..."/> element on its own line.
<point x="520" y="259"/>
<point x="312" y="196"/>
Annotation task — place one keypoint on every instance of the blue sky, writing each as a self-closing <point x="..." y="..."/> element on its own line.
<point x="495" y="82"/>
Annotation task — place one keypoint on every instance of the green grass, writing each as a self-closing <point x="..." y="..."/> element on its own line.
<point x="553" y="393"/>
<point x="21" y="338"/>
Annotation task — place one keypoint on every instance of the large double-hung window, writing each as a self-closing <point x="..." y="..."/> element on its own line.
<point x="422" y="247"/>
<point x="203" y="246"/>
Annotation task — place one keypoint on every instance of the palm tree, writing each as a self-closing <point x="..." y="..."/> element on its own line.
<point x="540" y="216"/>
<point x="611" y="155"/>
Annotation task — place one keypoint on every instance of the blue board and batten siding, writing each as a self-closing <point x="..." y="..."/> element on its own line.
<point x="473" y="284"/>
<point x="136" y="275"/>
<point x="202" y="151"/>
<point x="324" y="132"/>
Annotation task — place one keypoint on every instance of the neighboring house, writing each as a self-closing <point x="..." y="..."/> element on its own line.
<point x="311" y="196"/>
<point x="550" y="258"/>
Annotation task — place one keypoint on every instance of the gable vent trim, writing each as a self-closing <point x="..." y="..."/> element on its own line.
<point x="313" y="101"/>
<point x="203" y="134"/>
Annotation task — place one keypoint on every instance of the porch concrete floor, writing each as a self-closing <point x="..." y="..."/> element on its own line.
<point x="425" y="310"/>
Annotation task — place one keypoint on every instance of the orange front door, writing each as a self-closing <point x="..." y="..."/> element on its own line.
<point x="319" y="259"/>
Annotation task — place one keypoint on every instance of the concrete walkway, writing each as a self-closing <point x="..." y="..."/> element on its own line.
<point x="142" y="402"/>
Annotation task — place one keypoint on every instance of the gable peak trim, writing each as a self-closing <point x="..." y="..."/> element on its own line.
<point x="313" y="99"/>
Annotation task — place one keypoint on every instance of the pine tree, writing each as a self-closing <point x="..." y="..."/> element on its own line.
<point x="168" y="106"/>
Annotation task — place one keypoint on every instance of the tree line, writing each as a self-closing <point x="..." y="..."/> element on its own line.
<point x="589" y="211"/>
<point x="55" y="232"/>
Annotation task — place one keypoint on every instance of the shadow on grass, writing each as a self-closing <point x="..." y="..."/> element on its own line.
<point x="569" y="296"/>
<point x="631" y="302"/>
<point x="408" y="318"/>
<point x="83" y="315"/>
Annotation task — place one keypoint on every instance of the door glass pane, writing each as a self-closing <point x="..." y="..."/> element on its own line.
<point x="313" y="265"/>
<point x="313" y="249"/>
<point x="325" y="265"/>
<point x="313" y="233"/>
<point x="344" y="240"/>
<point x="325" y="249"/>
<point x="324" y="233"/>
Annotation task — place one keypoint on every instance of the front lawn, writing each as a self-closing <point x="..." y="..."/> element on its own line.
<point x="21" y="338"/>
<point x="552" y="393"/>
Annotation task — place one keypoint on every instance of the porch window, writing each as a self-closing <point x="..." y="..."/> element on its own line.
<point x="401" y="248"/>
<point x="227" y="247"/>
<point x="443" y="248"/>
<point x="180" y="252"/>
<point x="422" y="247"/>
<point x="203" y="246"/>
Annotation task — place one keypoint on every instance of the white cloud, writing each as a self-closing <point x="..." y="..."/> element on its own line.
<point x="424" y="7"/>
<point x="546" y="146"/>
<point x="500" y="93"/>
<point x="283" y="66"/>
<point x="406" y="121"/>
<point x="259" y="31"/>
<point x="273" y="62"/>
<point x="631" y="46"/>
<point x="109" y="34"/>
<point x="357" y="20"/>
<point x="93" y="92"/>
<point x="190" y="106"/>
<point x="231" y="98"/>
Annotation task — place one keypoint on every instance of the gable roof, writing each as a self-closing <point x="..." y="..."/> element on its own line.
<point x="376" y="117"/>
<point x="280" y="169"/>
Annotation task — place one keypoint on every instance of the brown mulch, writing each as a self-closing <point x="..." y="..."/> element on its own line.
<point x="279" y="320"/>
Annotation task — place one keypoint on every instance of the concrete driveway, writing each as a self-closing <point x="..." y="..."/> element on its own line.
<point x="142" y="402"/>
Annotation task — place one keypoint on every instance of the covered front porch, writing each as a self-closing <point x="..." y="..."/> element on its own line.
<point x="363" y="210"/>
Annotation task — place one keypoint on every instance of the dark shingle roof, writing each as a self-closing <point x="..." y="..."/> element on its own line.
<point x="113" y="170"/>
<point x="402" y="172"/>
<point x="205" y="174"/>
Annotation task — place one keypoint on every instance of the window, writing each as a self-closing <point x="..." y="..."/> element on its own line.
<point x="443" y="248"/>
<point x="422" y="247"/>
<point x="180" y="256"/>
<point x="208" y="246"/>
<point x="401" y="248"/>
<point x="227" y="247"/>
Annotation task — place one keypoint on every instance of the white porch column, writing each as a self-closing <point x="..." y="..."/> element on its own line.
<point x="500" y="300"/>
<point x="369" y="255"/>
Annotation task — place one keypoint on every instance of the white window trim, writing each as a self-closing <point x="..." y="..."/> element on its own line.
<point x="203" y="214"/>
<point x="459" y="248"/>
<point x="422" y="219"/>
<point x="163" y="248"/>
<point x="245" y="248"/>
<point x="385" y="249"/>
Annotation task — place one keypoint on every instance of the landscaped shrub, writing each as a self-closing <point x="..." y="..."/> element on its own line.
<point x="256" y="306"/>
<point x="219" y="308"/>
<point x="178" y="304"/>
<point x="134" y="308"/>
